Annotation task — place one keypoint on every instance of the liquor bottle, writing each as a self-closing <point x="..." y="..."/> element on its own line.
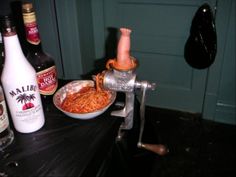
<point x="6" y="134"/>
<point x="19" y="83"/>
<point x="42" y="62"/>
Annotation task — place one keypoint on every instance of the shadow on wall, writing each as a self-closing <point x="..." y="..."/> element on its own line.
<point x="17" y="15"/>
<point x="110" y="52"/>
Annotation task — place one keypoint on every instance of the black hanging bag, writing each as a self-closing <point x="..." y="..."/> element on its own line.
<point x="201" y="46"/>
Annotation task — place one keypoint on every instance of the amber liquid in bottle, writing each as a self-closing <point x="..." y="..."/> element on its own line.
<point x="42" y="62"/>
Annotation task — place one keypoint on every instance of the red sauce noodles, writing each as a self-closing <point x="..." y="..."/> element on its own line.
<point x="88" y="99"/>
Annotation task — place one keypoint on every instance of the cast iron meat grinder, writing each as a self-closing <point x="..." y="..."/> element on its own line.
<point x="120" y="76"/>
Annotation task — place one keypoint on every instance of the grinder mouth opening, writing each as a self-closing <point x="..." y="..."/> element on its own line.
<point x="124" y="61"/>
<point x="112" y="63"/>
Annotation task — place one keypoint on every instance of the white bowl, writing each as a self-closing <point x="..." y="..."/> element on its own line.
<point x="73" y="87"/>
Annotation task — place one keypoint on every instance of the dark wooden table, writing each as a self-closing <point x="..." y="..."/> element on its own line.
<point x="63" y="147"/>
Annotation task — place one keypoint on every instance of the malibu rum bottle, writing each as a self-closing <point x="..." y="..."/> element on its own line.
<point x="20" y="84"/>
<point x="43" y="63"/>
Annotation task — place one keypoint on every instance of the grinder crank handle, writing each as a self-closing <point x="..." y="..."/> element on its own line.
<point x="159" y="149"/>
<point x="156" y="148"/>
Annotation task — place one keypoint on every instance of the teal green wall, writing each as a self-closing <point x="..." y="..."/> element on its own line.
<point x="220" y="94"/>
<point x="219" y="90"/>
<point x="76" y="37"/>
<point x="159" y="33"/>
<point x="67" y="32"/>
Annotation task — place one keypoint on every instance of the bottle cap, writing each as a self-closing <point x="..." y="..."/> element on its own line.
<point x="7" y="24"/>
<point x="27" y="6"/>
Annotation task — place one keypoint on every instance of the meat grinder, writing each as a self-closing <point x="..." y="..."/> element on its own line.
<point x="120" y="76"/>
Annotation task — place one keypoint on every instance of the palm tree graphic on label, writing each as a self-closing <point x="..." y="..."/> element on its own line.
<point x="26" y="100"/>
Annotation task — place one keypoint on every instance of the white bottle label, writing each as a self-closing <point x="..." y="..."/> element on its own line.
<point x="27" y="113"/>
<point x="4" y="122"/>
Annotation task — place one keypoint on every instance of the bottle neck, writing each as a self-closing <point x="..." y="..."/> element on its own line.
<point x="12" y="47"/>
<point x="32" y="32"/>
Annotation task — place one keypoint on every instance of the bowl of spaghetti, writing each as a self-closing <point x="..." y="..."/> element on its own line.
<point x="81" y="99"/>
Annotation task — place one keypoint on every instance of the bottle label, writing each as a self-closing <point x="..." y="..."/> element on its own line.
<point x="31" y="28"/>
<point x="27" y="104"/>
<point x="4" y="122"/>
<point x="47" y="81"/>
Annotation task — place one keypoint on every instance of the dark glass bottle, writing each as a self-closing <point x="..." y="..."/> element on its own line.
<point x="42" y="62"/>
